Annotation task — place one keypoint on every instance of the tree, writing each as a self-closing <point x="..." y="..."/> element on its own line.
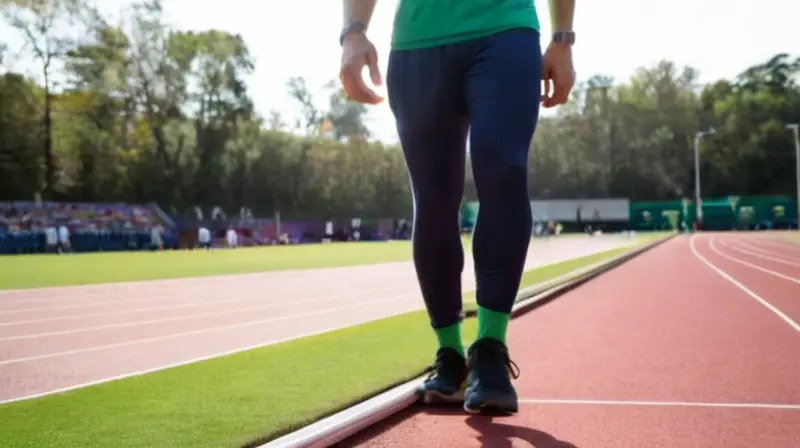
<point x="44" y="23"/>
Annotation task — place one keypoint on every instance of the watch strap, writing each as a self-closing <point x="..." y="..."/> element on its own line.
<point x="355" y="27"/>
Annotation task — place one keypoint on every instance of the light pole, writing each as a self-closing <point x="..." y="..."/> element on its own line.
<point x="794" y="128"/>
<point x="697" y="201"/>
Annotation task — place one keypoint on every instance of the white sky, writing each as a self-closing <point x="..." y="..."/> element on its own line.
<point x="300" y="38"/>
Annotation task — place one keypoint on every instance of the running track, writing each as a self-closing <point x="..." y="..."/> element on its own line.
<point x="56" y="339"/>
<point x="693" y="344"/>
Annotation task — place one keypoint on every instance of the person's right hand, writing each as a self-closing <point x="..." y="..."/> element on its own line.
<point x="357" y="52"/>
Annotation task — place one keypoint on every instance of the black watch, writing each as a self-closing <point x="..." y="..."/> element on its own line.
<point x="355" y="27"/>
<point x="564" y="37"/>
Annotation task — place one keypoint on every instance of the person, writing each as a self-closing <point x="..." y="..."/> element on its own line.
<point x="157" y="237"/>
<point x="355" y="227"/>
<point x="460" y="67"/>
<point x="204" y="237"/>
<point x="328" y="231"/>
<point x="51" y="238"/>
<point x="64" y="239"/>
<point x="231" y="237"/>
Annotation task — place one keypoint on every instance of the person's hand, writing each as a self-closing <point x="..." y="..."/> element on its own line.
<point x="357" y="52"/>
<point x="557" y="68"/>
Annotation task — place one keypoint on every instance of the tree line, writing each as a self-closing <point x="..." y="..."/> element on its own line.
<point x="135" y="110"/>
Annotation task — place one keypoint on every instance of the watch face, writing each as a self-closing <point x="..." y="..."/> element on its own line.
<point x="564" y="37"/>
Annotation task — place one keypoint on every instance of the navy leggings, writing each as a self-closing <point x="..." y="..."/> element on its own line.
<point x="490" y="89"/>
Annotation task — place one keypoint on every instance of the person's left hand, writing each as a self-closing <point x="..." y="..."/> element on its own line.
<point x="557" y="68"/>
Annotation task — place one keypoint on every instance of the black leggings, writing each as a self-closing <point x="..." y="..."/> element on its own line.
<point x="489" y="88"/>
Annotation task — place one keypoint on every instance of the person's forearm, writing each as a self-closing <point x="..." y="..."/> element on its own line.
<point x="358" y="11"/>
<point x="561" y="14"/>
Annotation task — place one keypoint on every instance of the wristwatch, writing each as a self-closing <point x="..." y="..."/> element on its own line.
<point x="564" y="37"/>
<point x="355" y="27"/>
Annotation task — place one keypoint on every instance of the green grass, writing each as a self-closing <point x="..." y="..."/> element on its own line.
<point x="239" y="399"/>
<point x="36" y="271"/>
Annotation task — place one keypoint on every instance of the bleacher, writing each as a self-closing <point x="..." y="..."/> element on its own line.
<point x="92" y="227"/>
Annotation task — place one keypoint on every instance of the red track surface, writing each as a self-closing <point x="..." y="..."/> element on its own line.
<point x="662" y="351"/>
<point x="54" y="339"/>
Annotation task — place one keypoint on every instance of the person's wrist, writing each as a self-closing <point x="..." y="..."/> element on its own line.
<point x="352" y="37"/>
<point x="355" y="28"/>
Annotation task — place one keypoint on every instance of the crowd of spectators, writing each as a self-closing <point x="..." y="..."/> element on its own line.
<point x="25" y="226"/>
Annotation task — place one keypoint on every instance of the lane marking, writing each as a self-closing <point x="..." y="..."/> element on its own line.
<point x="596" y="246"/>
<point x="750" y="265"/>
<point x="794" y="325"/>
<point x="750" y="252"/>
<point x="677" y="404"/>
<point x="754" y="244"/>
<point x="202" y="315"/>
<point x="220" y="354"/>
<point x="215" y="355"/>
<point x="95" y="348"/>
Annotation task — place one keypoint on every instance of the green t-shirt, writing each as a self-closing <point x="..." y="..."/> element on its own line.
<point x="428" y="23"/>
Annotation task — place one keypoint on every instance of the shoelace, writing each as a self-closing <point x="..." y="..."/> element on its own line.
<point x="492" y="355"/>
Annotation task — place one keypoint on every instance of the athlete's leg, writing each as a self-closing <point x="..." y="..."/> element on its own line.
<point x="426" y="96"/>
<point x="503" y="93"/>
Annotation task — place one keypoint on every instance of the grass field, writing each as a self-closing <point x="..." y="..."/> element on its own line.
<point x="36" y="271"/>
<point x="245" y="398"/>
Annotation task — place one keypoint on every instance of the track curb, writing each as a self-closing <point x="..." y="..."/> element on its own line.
<point x="341" y="425"/>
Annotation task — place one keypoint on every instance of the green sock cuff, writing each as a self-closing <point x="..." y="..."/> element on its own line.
<point x="492" y="324"/>
<point x="450" y="336"/>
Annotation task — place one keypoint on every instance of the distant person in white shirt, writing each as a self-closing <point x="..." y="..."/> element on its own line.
<point x="63" y="238"/>
<point x="232" y="238"/>
<point x="156" y="237"/>
<point x="355" y="226"/>
<point x="328" y="231"/>
<point x="51" y="238"/>
<point x="204" y="238"/>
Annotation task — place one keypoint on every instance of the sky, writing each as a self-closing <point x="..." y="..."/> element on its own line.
<point x="300" y="38"/>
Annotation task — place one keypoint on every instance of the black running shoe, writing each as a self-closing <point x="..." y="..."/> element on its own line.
<point x="446" y="383"/>
<point x="489" y="389"/>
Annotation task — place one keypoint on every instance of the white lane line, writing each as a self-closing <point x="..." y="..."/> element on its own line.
<point x="141" y="372"/>
<point x="95" y="348"/>
<point x="676" y="404"/>
<point x="742" y="287"/>
<point x="195" y="296"/>
<point x="751" y="252"/>
<point x="750" y="265"/>
<point x="98" y="288"/>
<point x="754" y="244"/>
<point x="262" y="306"/>
<point x="210" y="357"/>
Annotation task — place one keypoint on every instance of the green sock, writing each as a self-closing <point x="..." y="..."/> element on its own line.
<point x="492" y="324"/>
<point x="450" y="336"/>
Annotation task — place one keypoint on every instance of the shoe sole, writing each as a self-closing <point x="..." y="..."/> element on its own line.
<point x="490" y="410"/>
<point x="497" y="404"/>
<point x="436" y="397"/>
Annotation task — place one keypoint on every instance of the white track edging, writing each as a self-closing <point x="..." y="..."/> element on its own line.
<point x="344" y="424"/>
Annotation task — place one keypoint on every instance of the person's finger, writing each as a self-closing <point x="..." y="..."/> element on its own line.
<point x="560" y="91"/>
<point x="344" y="77"/>
<point x="546" y="77"/>
<point x="374" y="70"/>
<point x="359" y="90"/>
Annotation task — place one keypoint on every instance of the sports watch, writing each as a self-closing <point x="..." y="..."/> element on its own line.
<point x="564" y="37"/>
